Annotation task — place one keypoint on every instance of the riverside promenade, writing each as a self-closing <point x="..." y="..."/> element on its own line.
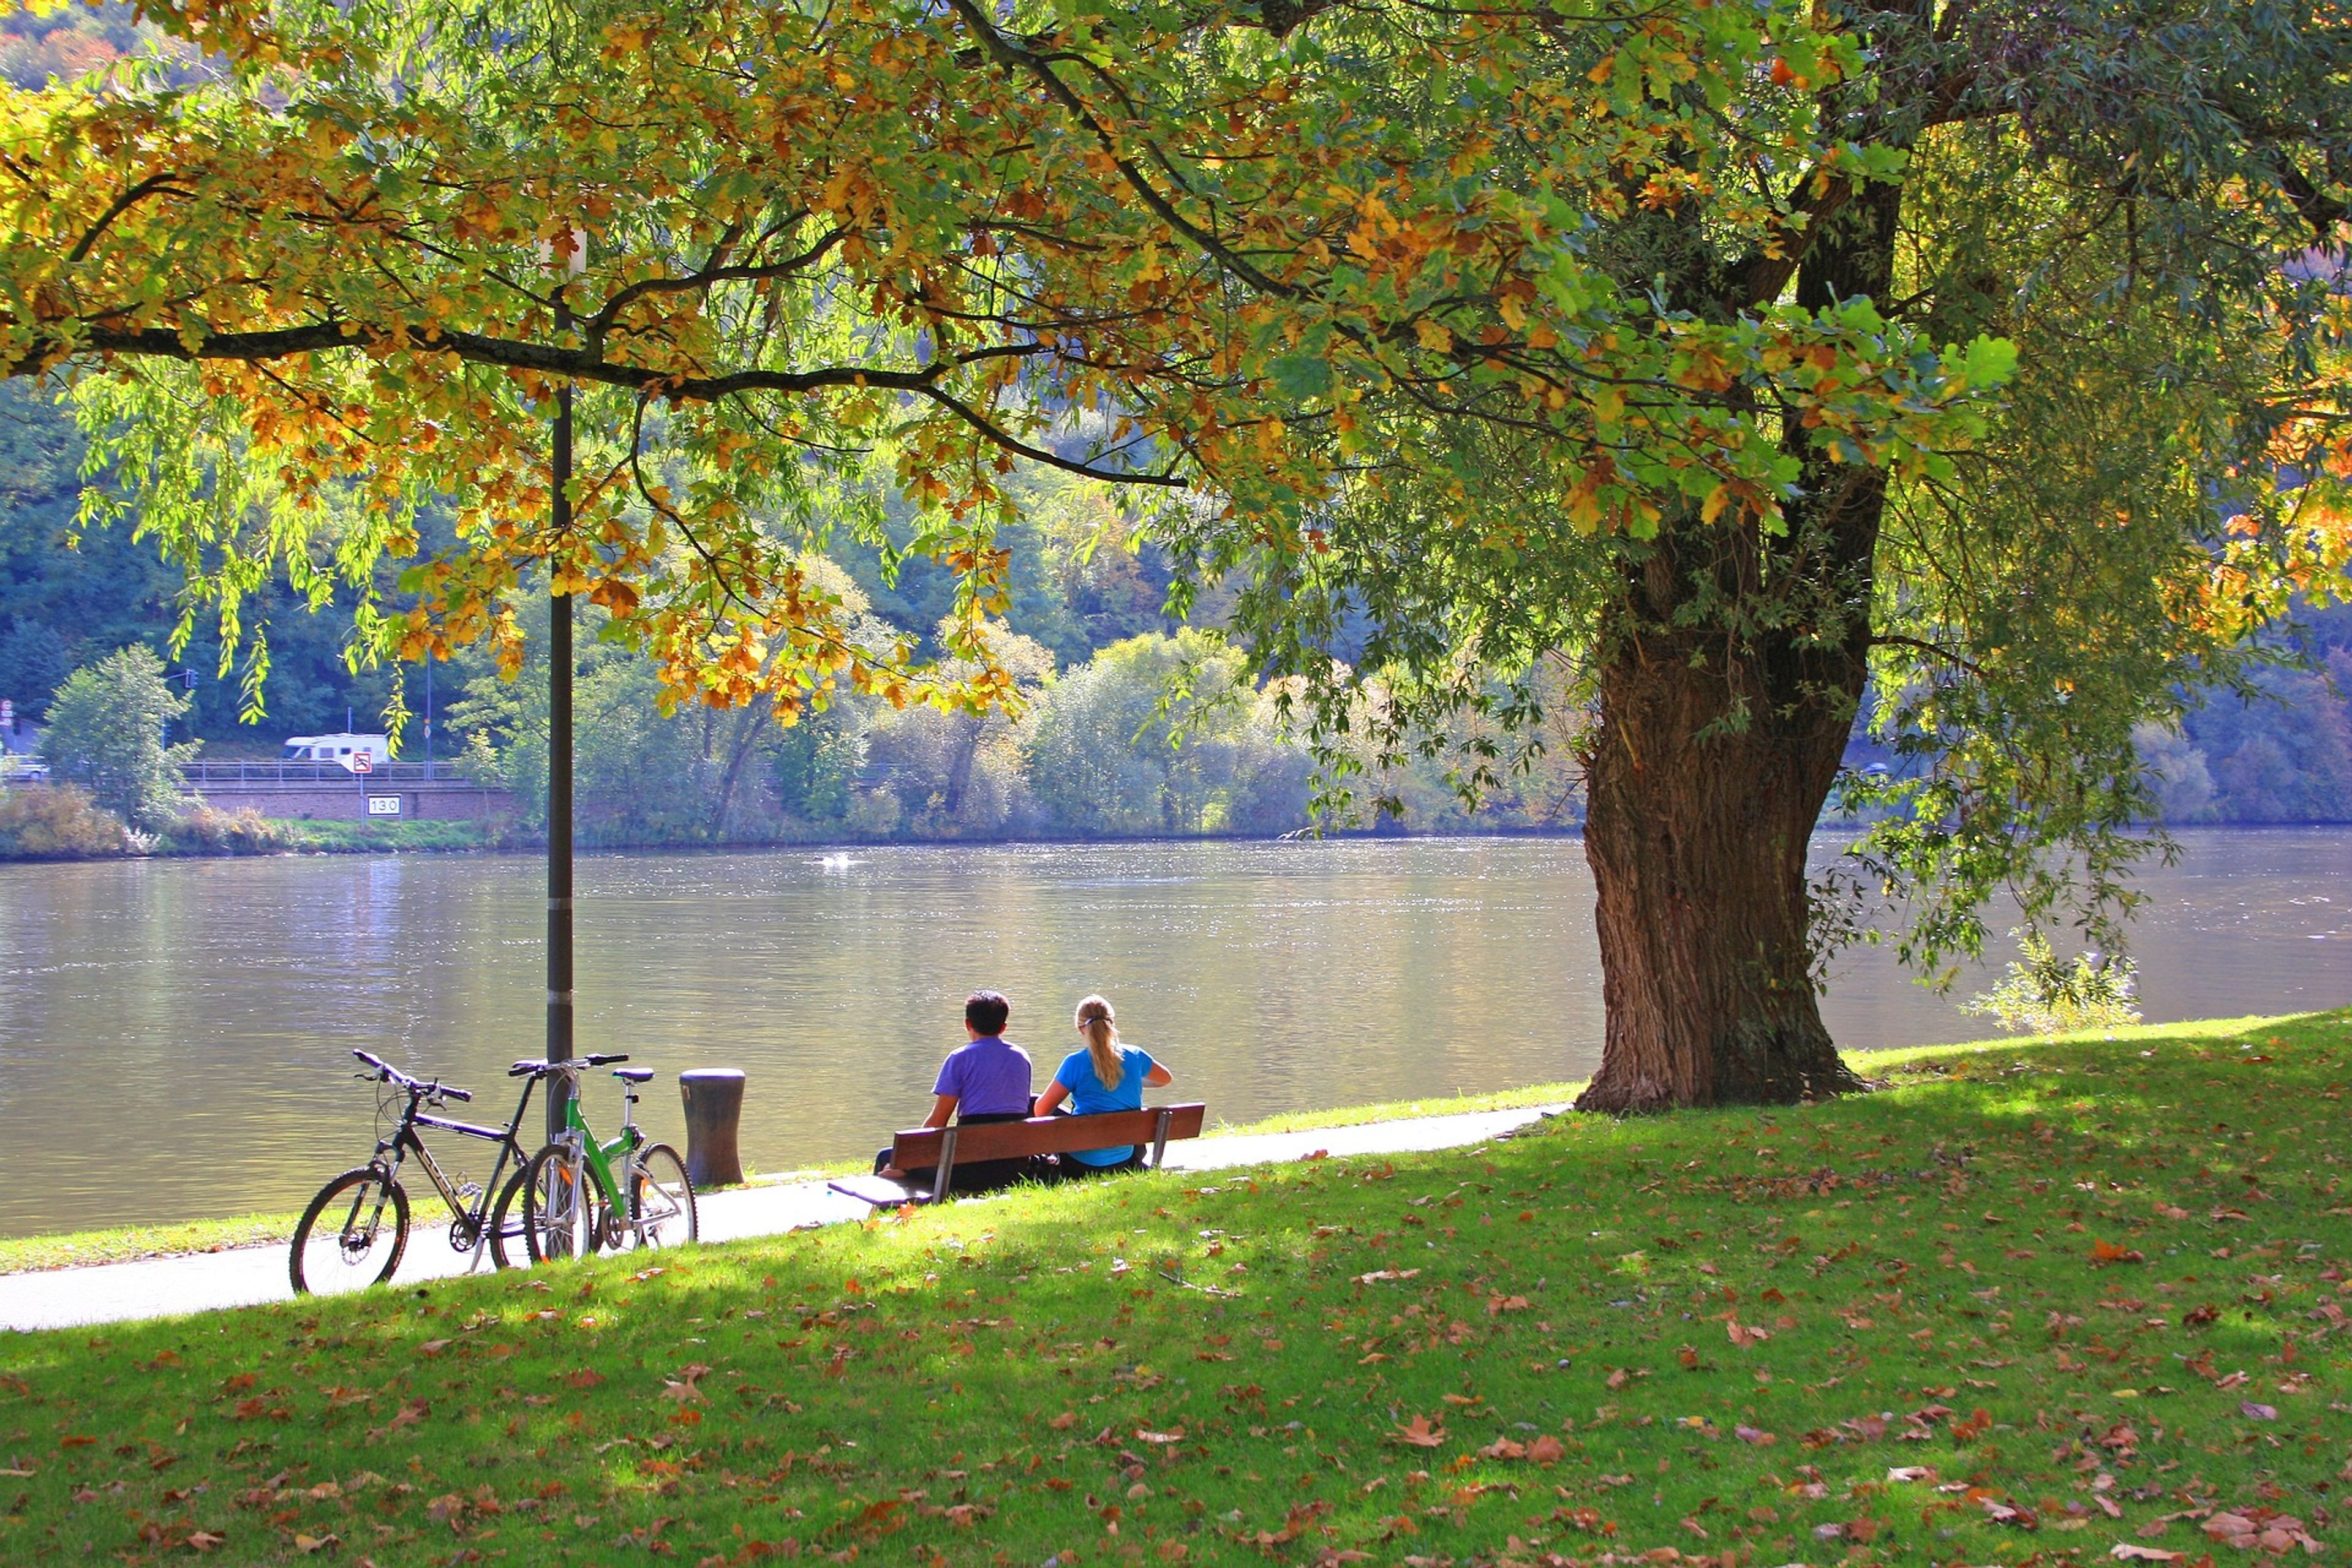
<point x="245" y="1276"/>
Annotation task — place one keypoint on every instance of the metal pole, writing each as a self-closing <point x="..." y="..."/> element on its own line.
<point x="559" y="768"/>
<point x="429" y="717"/>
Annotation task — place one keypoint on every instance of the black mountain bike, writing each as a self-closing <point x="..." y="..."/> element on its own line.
<point x="354" y="1231"/>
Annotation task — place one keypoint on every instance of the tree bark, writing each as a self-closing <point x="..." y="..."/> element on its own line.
<point x="1697" y="833"/>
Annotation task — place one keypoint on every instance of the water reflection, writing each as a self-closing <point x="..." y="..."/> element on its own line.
<point x="173" y="1035"/>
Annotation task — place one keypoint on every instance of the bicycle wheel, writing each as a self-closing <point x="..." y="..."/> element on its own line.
<point x="661" y="1209"/>
<point x="559" y="1207"/>
<point x="509" y="1246"/>
<point x="346" y="1240"/>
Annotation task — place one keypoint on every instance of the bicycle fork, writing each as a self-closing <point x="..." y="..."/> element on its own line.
<point x="573" y="1206"/>
<point x="387" y="1166"/>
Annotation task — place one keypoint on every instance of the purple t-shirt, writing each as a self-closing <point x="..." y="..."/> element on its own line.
<point x="990" y="1077"/>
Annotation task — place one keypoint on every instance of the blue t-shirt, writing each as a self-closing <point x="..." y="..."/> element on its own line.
<point x="1090" y="1097"/>
<point x="990" y="1077"/>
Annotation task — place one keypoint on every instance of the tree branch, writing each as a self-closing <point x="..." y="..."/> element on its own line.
<point x="1934" y="650"/>
<point x="122" y="203"/>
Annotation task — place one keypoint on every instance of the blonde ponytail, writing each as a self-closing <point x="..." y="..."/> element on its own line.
<point x="1102" y="1041"/>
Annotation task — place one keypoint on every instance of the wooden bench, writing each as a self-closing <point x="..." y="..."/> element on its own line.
<point x="937" y="1148"/>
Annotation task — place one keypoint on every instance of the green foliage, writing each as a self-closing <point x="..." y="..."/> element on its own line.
<point x="68" y="595"/>
<point x="1736" y="1323"/>
<point x="2046" y="994"/>
<point x="106" y="733"/>
<point x="57" y="822"/>
<point x="1164" y="735"/>
<point x="377" y="837"/>
<point x="206" y="830"/>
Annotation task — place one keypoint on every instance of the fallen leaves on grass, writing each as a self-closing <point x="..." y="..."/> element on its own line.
<point x="1544" y="1450"/>
<point x="1420" y="1433"/>
<point x="2260" y="1529"/>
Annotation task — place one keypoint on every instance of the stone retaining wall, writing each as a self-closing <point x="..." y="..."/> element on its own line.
<point x="440" y="801"/>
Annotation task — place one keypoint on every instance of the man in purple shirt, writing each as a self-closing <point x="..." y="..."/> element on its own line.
<point x="985" y="1080"/>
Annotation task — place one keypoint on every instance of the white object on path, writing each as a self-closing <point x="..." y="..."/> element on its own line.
<point x="245" y="1276"/>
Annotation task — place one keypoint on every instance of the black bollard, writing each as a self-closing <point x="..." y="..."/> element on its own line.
<point x="714" y="1104"/>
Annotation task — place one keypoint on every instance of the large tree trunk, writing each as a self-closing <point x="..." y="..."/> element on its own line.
<point x="1731" y="673"/>
<point x="1696" y="830"/>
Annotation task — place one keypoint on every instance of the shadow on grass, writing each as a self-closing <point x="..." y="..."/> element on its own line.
<point x="2035" y="1296"/>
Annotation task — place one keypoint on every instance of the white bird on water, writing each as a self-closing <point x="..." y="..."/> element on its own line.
<point x="837" y="862"/>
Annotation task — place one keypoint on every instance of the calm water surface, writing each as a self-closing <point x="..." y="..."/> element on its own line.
<point x="173" y="1034"/>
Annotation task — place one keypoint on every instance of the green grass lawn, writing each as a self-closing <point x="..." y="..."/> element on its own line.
<point x="2034" y="1302"/>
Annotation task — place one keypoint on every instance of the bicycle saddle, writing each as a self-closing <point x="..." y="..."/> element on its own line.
<point x="633" y="1075"/>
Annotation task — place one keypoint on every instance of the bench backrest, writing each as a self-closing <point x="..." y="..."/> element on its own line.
<point x="920" y="1148"/>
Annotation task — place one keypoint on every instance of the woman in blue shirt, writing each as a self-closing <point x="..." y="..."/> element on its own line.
<point x="1107" y="1075"/>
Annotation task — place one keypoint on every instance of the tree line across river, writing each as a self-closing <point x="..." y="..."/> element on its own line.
<point x="1133" y="725"/>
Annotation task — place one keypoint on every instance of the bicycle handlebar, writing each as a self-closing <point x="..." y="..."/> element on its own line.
<point x="535" y="1067"/>
<point x="384" y="1072"/>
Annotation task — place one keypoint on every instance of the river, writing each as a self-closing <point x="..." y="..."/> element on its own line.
<point x="174" y="1033"/>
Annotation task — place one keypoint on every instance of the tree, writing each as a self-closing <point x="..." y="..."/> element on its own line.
<point x="959" y="771"/>
<point x="2106" y="213"/>
<point x="1163" y="735"/>
<point x="106" y="733"/>
<point x="1668" y="341"/>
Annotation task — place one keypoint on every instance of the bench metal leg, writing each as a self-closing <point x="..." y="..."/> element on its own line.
<point x="946" y="1166"/>
<point x="1159" y="1138"/>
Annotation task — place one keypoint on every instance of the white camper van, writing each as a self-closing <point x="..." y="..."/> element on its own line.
<point x="342" y="749"/>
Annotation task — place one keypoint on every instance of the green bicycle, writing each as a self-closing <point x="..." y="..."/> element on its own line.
<point x="580" y="1196"/>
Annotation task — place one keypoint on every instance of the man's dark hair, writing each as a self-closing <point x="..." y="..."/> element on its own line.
<point x="987" y="1011"/>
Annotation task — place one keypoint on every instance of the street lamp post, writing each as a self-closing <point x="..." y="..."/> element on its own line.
<point x="558" y="737"/>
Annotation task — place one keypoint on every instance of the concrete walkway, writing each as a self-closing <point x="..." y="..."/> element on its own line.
<point x="165" y="1287"/>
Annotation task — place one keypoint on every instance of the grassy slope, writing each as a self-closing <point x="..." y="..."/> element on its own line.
<point x="2063" y="1291"/>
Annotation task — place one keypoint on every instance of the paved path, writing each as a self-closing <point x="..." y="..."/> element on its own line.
<point x="162" y="1287"/>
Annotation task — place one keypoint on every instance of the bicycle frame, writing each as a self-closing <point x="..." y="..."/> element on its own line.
<point x="599" y="1156"/>
<point x="467" y="1228"/>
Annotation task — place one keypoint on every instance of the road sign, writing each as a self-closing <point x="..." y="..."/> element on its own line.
<point x="363" y="762"/>
<point x="7" y="712"/>
<point x="383" y="806"/>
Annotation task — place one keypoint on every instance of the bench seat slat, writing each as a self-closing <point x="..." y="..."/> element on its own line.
<point x="919" y="1148"/>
